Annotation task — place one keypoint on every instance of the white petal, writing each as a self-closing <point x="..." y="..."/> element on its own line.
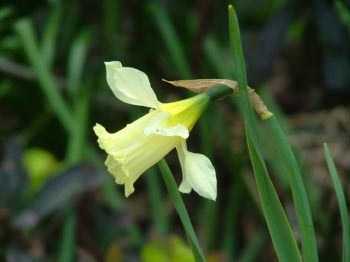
<point x="201" y="175"/>
<point x="184" y="187"/>
<point x="130" y="85"/>
<point x="198" y="173"/>
<point x="157" y="126"/>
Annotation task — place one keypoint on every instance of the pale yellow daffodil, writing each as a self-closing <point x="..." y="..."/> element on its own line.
<point x="141" y="144"/>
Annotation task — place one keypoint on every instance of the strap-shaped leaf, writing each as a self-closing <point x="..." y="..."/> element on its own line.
<point x="278" y="224"/>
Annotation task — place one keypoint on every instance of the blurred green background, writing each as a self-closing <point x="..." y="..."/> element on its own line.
<point x="57" y="202"/>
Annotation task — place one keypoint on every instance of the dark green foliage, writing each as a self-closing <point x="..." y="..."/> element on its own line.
<point x="53" y="90"/>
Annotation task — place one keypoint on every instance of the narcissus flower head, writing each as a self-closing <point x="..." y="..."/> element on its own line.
<point x="141" y="144"/>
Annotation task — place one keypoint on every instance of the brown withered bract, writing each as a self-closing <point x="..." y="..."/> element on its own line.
<point x="203" y="85"/>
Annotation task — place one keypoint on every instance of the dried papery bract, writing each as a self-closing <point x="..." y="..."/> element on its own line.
<point x="259" y="105"/>
<point x="203" y="85"/>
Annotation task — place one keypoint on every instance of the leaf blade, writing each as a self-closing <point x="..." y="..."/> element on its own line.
<point x="341" y="202"/>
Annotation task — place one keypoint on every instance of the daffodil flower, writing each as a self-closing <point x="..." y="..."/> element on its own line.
<point x="141" y="144"/>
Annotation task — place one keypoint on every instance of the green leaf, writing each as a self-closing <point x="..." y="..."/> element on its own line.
<point x="5" y="12"/>
<point x="77" y="143"/>
<point x="77" y="61"/>
<point x="52" y="197"/>
<point x="25" y="31"/>
<point x="256" y="244"/>
<point x="301" y="201"/>
<point x="277" y="222"/>
<point x="112" y="16"/>
<point x="343" y="13"/>
<point x="171" y="40"/>
<point x="341" y="202"/>
<point x="67" y="245"/>
<point x="49" y="41"/>
<point x="217" y="58"/>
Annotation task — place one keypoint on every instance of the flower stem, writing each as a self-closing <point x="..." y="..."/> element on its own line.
<point x="219" y="91"/>
<point x="180" y="209"/>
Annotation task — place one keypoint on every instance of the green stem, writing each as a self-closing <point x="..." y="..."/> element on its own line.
<point x="219" y="91"/>
<point x="180" y="209"/>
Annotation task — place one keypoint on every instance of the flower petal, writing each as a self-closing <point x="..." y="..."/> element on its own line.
<point x="184" y="187"/>
<point x="157" y="125"/>
<point x="198" y="173"/>
<point x="116" y="169"/>
<point x="130" y="85"/>
<point x="201" y="175"/>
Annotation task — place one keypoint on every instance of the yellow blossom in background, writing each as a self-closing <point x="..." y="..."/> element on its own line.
<point x="40" y="165"/>
<point x="141" y="144"/>
<point x="170" y="249"/>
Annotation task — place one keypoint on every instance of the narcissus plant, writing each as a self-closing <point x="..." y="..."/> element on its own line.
<point x="141" y="144"/>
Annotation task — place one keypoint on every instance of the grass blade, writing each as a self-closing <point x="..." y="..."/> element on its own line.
<point x="343" y="13"/>
<point x="49" y="39"/>
<point x="77" y="61"/>
<point x="341" y="202"/>
<point x="171" y="40"/>
<point x="112" y="16"/>
<point x="47" y="83"/>
<point x="77" y="142"/>
<point x="251" y="252"/>
<point x="68" y="238"/>
<point x="216" y="57"/>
